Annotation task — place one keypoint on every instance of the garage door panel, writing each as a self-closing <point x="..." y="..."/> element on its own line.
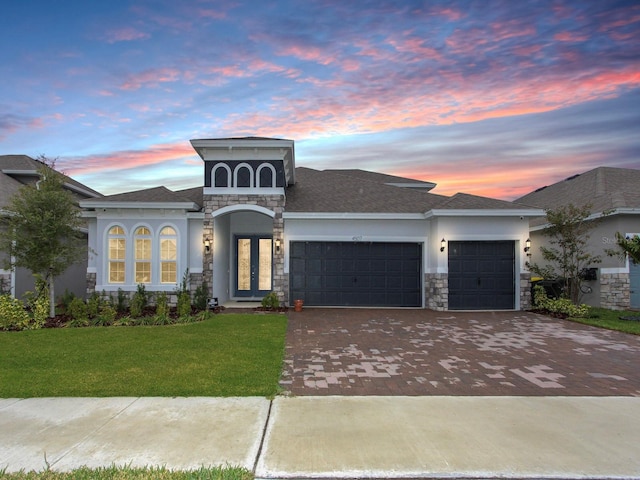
<point x="356" y="274"/>
<point x="481" y="275"/>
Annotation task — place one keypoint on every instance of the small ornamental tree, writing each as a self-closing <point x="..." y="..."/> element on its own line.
<point x="627" y="246"/>
<point x="42" y="228"/>
<point x="567" y="256"/>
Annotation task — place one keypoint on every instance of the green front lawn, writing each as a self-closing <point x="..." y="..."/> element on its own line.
<point x="128" y="473"/>
<point x="228" y="355"/>
<point x="610" y="319"/>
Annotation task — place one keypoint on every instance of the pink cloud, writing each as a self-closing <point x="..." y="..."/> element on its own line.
<point x="150" y="78"/>
<point x="307" y="53"/>
<point x="214" y="14"/>
<point x="569" y="37"/>
<point x="126" y="34"/>
<point x="155" y="154"/>
<point x="447" y="12"/>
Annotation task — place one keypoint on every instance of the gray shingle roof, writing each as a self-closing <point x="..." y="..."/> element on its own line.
<point x="604" y="188"/>
<point x="465" y="201"/>
<point x="10" y="181"/>
<point x="149" y="195"/>
<point x="335" y="191"/>
<point x="384" y="178"/>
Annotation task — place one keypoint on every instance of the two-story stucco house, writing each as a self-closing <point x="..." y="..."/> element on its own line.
<point x="331" y="238"/>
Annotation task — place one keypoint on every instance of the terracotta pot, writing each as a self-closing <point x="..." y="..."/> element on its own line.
<point x="297" y="305"/>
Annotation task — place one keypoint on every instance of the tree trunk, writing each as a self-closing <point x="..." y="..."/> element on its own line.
<point x="52" y="298"/>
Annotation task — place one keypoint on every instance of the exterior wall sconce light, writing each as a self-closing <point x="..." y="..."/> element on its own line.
<point x="207" y="245"/>
<point x="443" y="244"/>
<point x="278" y="245"/>
<point x="527" y="247"/>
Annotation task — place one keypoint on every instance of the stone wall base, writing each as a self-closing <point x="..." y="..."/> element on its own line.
<point x="437" y="291"/>
<point x="615" y="291"/>
<point x="525" y="291"/>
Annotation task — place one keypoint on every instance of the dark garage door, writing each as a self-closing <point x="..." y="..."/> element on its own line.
<point x="356" y="274"/>
<point x="481" y="275"/>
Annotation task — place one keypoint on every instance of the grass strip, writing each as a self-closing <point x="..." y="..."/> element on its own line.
<point x="610" y="319"/>
<point x="229" y="355"/>
<point x="128" y="473"/>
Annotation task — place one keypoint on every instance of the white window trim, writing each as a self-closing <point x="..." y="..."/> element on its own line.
<point x="251" y="175"/>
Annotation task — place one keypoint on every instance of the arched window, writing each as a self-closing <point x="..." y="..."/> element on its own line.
<point x="243" y="176"/>
<point x="142" y="268"/>
<point x="266" y="176"/>
<point x="168" y="255"/>
<point x="117" y="254"/>
<point x="221" y="176"/>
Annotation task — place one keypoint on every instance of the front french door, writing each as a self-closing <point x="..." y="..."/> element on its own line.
<point x="254" y="261"/>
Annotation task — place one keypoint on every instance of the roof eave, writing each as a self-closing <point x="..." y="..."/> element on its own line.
<point x="92" y="204"/>
<point x="469" y="212"/>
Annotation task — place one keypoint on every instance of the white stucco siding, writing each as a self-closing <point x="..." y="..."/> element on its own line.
<point x="476" y="229"/>
<point x="355" y="230"/>
<point x="155" y="222"/>
<point x="221" y="258"/>
<point x="194" y="245"/>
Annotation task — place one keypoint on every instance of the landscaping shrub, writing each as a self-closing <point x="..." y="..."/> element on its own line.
<point x="78" y="310"/>
<point x="122" y="301"/>
<point x="201" y="296"/>
<point x="13" y="316"/>
<point x="93" y="305"/>
<point x="271" y="301"/>
<point x="139" y="301"/>
<point x="183" y="306"/>
<point x="162" y="309"/>
<point x="65" y="300"/>
<point x="106" y="316"/>
<point x="562" y="306"/>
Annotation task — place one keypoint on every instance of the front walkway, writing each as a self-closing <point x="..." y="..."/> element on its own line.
<point x="422" y="352"/>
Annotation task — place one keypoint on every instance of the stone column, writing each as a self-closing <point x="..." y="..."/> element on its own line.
<point x="437" y="291"/>
<point x="525" y="291"/>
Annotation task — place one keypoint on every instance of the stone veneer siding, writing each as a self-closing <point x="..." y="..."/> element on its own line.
<point x="615" y="291"/>
<point x="525" y="291"/>
<point x="92" y="278"/>
<point x="437" y="291"/>
<point x="274" y="203"/>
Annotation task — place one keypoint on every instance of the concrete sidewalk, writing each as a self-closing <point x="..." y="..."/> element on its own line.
<point x="408" y="437"/>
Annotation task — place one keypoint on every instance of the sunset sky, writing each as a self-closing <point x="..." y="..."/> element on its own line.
<point x="494" y="98"/>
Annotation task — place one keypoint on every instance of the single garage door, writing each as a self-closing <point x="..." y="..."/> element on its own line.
<point x="356" y="274"/>
<point x="481" y="275"/>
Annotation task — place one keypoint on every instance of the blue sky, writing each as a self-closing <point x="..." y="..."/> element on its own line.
<point x="493" y="98"/>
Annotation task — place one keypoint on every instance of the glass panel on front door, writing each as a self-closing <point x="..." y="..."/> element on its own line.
<point x="254" y="266"/>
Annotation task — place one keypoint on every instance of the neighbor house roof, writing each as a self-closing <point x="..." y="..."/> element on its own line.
<point x="19" y="170"/>
<point x="603" y="188"/>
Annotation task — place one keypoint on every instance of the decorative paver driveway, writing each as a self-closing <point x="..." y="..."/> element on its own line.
<point x="422" y="352"/>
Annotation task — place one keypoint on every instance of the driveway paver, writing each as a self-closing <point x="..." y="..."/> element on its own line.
<point x="423" y="352"/>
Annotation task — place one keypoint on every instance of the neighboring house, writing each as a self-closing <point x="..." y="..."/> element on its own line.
<point x="331" y="238"/>
<point x="615" y="191"/>
<point x="15" y="172"/>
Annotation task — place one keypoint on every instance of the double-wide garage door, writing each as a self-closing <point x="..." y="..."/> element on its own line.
<point x="481" y="275"/>
<point x="356" y="273"/>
